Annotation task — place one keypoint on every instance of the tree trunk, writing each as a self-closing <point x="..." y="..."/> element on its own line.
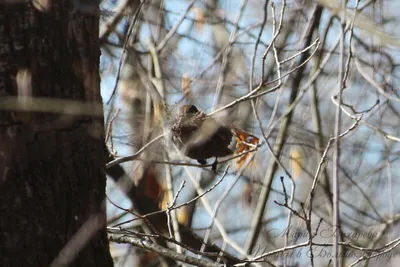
<point x="52" y="180"/>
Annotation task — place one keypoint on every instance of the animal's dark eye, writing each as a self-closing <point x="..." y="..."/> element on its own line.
<point x="192" y="109"/>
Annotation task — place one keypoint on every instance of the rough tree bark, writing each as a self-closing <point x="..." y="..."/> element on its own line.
<point x="52" y="180"/>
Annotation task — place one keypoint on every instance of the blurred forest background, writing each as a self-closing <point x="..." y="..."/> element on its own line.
<point x="315" y="81"/>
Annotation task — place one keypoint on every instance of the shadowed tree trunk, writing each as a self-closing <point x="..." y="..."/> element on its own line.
<point x="52" y="180"/>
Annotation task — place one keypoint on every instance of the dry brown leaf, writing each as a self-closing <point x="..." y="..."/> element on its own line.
<point x="245" y="142"/>
<point x="157" y="111"/>
<point x="151" y="187"/>
<point x="185" y="83"/>
<point x="296" y="162"/>
<point x="199" y="14"/>
<point x="183" y="216"/>
<point x="247" y="194"/>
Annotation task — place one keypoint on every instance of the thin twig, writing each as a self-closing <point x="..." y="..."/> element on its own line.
<point x="169" y="35"/>
<point x="148" y="245"/>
